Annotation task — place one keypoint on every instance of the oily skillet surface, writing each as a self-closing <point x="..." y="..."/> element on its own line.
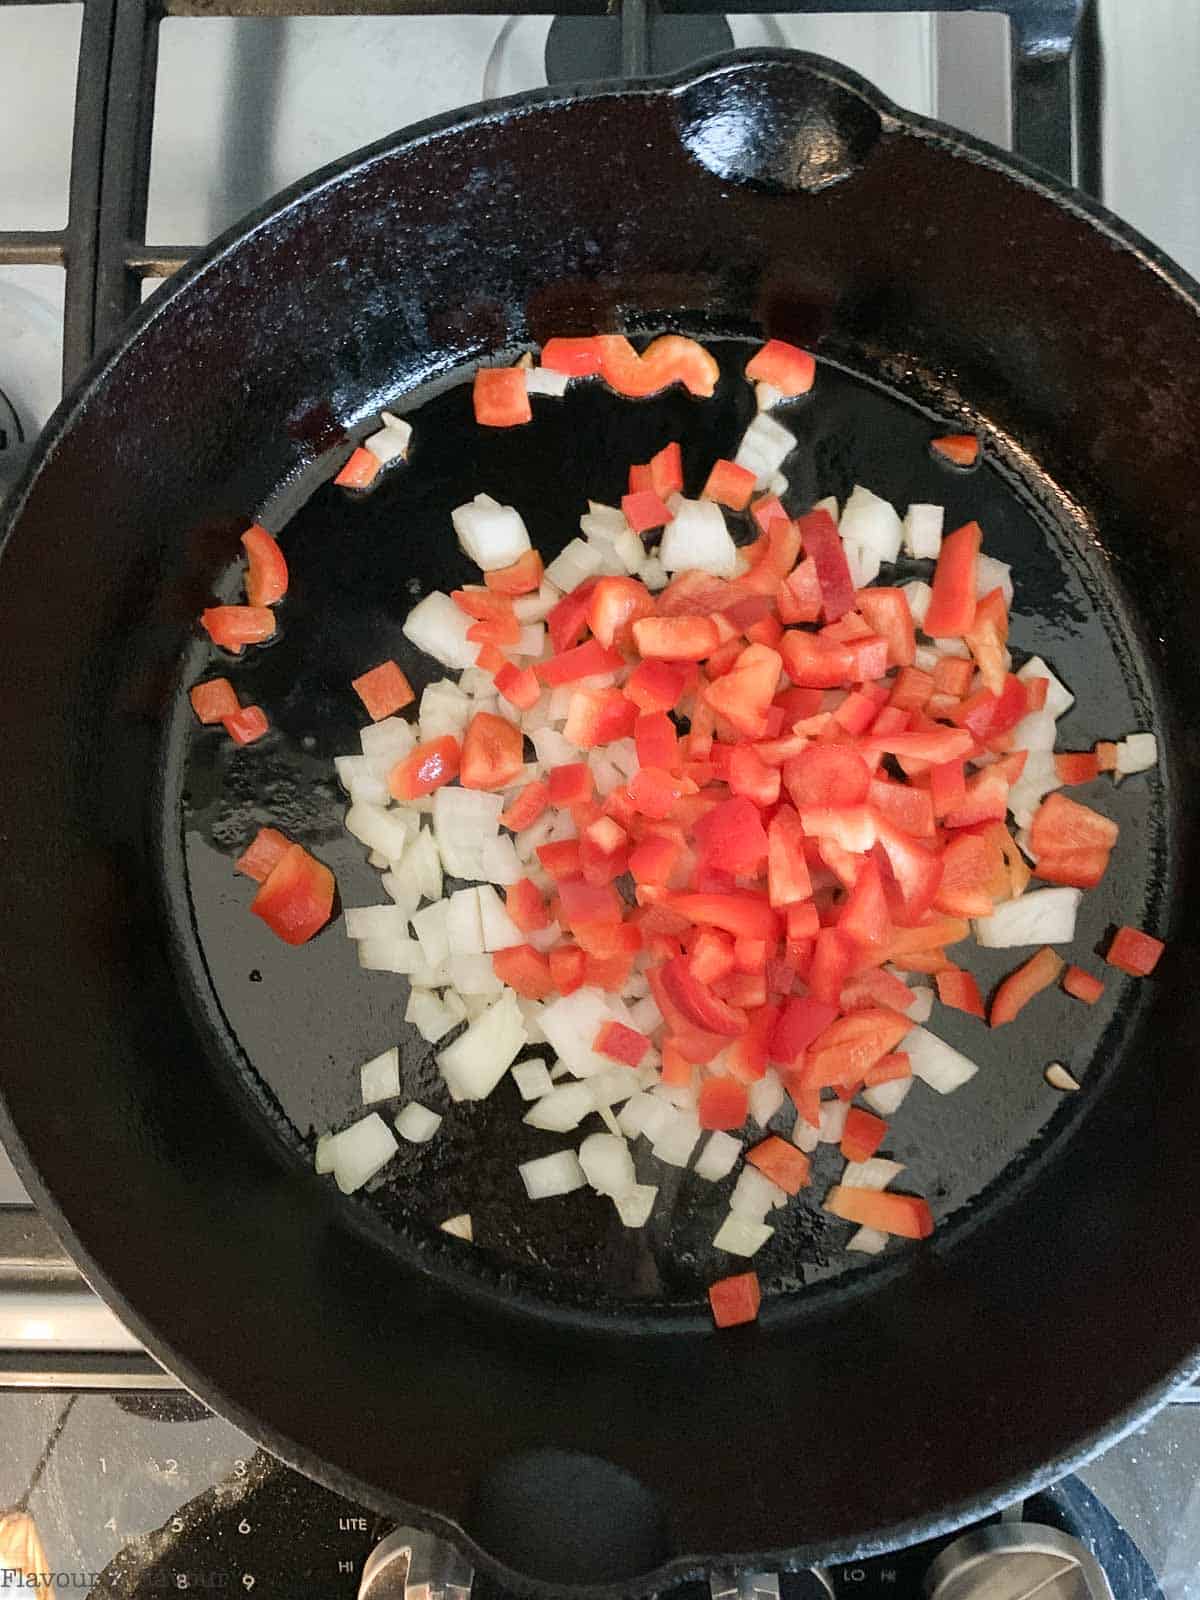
<point x="158" y="1096"/>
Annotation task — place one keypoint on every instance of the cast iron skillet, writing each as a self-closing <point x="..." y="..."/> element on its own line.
<point x="557" y="1393"/>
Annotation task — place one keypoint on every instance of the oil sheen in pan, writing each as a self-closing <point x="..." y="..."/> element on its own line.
<point x="304" y="1019"/>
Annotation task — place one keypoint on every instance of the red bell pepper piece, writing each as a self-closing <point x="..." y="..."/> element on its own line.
<point x="917" y="871"/>
<point x="968" y="866"/>
<point x="360" y="471"/>
<point x="729" y="485"/>
<point x="644" y="510"/>
<point x="735" y="1300"/>
<point x="732" y="838"/>
<point x="863" y="1134"/>
<point x="234" y="627"/>
<point x="524" y="904"/>
<point x="296" y="899"/>
<point x="784" y="366"/>
<point x="1019" y="988"/>
<point x="246" y="724"/>
<point x="909" y="808"/>
<point x="1134" y="952"/>
<point x="782" y="1162"/>
<point x="560" y="858"/>
<point x="798" y="597"/>
<point x="849" y="1046"/>
<point x="961" y="449"/>
<point x="659" y="685"/>
<point x="518" y="685"/>
<point x="214" y="700"/>
<point x="875" y="987"/>
<point x="615" y="605"/>
<point x="888" y="1068"/>
<point x="567" y="966"/>
<point x="823" y="543"/>
<point x="1082" y="985"/>
<point x="655" y="858"/>
<point x="947" y="787"/>
<point x="586" y="903"/>
<point x="1076" y="766"/>
<point x="501" y="398"/>
<point x="724" y="1103"/>
<point x="263" y="854"/>
<point x="383" y="691"/>
<point x="653" y="792"/>
<point x="887" y="611"/>
<point x="568" y="619"/>
<point x="801" y="1020"/>
<point x="620" y="1043"/>
<point x="959" y="989"/>
<point x="603" y="851"/>
<point x="584" y="661"/>
<point x="1080" y="869"/>
<point x="670" y="358"/>
<point x="569" y="784"/>
<point x="598" y="716"/>
<point x="523" y="577"/>
<point x="743" y="697"/>
<point x="952" y="608"/>
<point x="578" y="358"/>
<point x="833" y="958"/>
<point x="527" y="807"/>
<point x="267" y="573"/>
<point x="864" y="916"/>
<point x="697" y="1003"/>
<point x="831" y="775"/>
<point x="676" y="638"/>
<point x="904" y="1214"/>
<point x="662" y="474"/>
<point x="657" y="741"/>
<point x="524" y="969"/>
<point x="985" y="800"/>
<point x="740" y="912"/>
<point x="425" y="769"/>
<point x="492" y="752"/>
<point x="751" y="777"/>
<point x="1061" y="824"/>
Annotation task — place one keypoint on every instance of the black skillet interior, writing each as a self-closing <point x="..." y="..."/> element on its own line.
<point x="943" y="287"/>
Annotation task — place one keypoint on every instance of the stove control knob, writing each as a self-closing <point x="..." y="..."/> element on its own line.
<point x="1014" y="1561"/>
<point x="412" y="1565"/>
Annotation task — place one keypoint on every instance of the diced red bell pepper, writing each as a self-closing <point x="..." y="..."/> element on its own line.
<point x="214" y="700"/>
<point x="830" y="775"/>
<point x="246" y="725"/>
<point x="615" y="605"/>
<point x="657" y="741"/>
<point x="383" y="691"/>
<point x="887" y="611"/>
<point x="1019" y="988"/>
<point x="523" y="577"/>
<point x="909" y="808"/>
<point x="1082" y="985"/>
<point x="732" y="838"/>
<point x="952" y="675"/>
<point x="798" y="596"/>
<point x="603" y="851"/>
<point x="263" y="854"/>
<point x="490" y="658"/>
<point x="723" y="660"/>
<point x="968" y="866"/>
<point x="501" y="397"/>
<point x="524" y="969"/>
<point x="587" y="660"/>
<point x="823" y="543"/>
<point x="1063" y="824"/>
<point x="697" y="594"/>
<point x="655" y="858"/>
<point x="360" y="470"/>
<point x="724" y="1103"/>
<point x="1134" y="952"/>
<point x="570" y="783"/>
<point x="587" y="903"/>
<point x="663" y="473"/>
<point x="1106" y="755"/>
<point x="234" y="627"/>
<point x="752" y="778"/>
<point x="962" y="449"/>
<point x="912" y="689"/>
<point x="729" y="485"/>
<point x="659" y="685"/>
<point x="598" y="716"/>
<point x="813" y="663"/>
<point x="947" y="787"/>
<point x="985" y="800"/>
<point x="917" y="871"/>
<point x="740" y="912"/>
<point x="492" y="752"/>
<point x="743" y="697"/>
<point x="833" y="959"/>
<point x="906" y="1215"/>
<point x="852" y="1044"/>
<point x="1076" y="766"/>
<point x="864" y="917"/>
<point x="959" y="989"/>
<point x="578" y="358"/>
<point x="267" y="573"/>
<point x="644" y="510"/>
<point x="296" y="899"/>
<point x="677" y="638"/>
<point x="654" y="792"/>
<point x="568" y="618"/>
<point x="768" y="508"/>
<point x="527" y="807"/>
<point x="735" y="1300"/>
<point x="620" y="1043"/>
<point x="488" y="605"/>
<point x="524" y="904"/>
<point x="697" y="1003"/>
<point x="782" y="1162"/>
<point x="1079" y="869"/>
<point x="888" y="1069"/>
<point x="986" y="639"/>
<point x="560" y="858"/>
<point x="567" y="966"/>
<point x="425" y="769"/>
<point x="862" y="1135"/>
<point x="784" y="366"/>
<point x="801" y="1020"/>
<point x="670" y="358"/>
<point x="518" y="685"/>
<point x="1036" y="690"/>
<point x="875" y="987"/>
<point x="711" y="956"/>
<point x="952" y="608"/>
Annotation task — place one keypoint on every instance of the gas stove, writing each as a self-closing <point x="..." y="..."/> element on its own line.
<point x="127" y="123"/>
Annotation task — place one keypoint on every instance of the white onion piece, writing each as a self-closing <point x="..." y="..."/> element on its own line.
<point x="390" y="955"/>
<point x="380" y="1077"/>
<point x="538" y="606"/>
<point x="552" y="749"/>
<point x="634" y="1114"/>
<point x="376" y="922"/>
<point x="603" y="522"/>
<point x="475" y="1004"/>
<point x="679" y="1096"/>
<point x="653" y="574"/>
<point x="864" y="564"/>
<point x="992" y="574"/>
<point x="444" y="709"/>
<point x="403" y="889"/>
<point x="645" y="1015"/>
<point x="562" y="1109"/>
<point x="953" y="647"/>
<point x="532" y="1079"/>
<point x="436" y="626"/>
<point x="323" y="1154"/>
<point x="718" y="1158"/>
<point x="766" y="396"/>
<point x="918" y="596"/>
<point x="1039" y="777"/>
<point x="920" y="1007"/>
<point x="477" y="1060"/>
<point x="765" y="446"/>
<point x="871" y="523"/>
<point x="392" y="440"/>
<point x="804" y="1136"/>
<point x="430" y="928"/>
<point x="552" y="1175"/>
<point x="572" y="1022"/>
<point x="766" y="1096"/>
<point x="361" y="1151"/>
<point x="923" y="526"/>
<point x="423" y="863"/>
<point x="531" y="1013"/>
<point x="492" y="536"/>
<point x="473" y="976"/>
<point x="1058" y="697"/>
<point x="867" y="1240"/>
<point x="385" y="831"/>
<point x="464" y="924"/>
<point x="741" y="1236"/>
<point x="417" y="1123"/>
<point x="935" y="1062"/>
<point x="697" y="539"/>
<point x="1057" y="1076"/>
<point x="360" y="780"/>
<point x="388" y="739"/>
<point x="499" y="864"/>
<point x="674" y="1145"/>
<point x="500" y="932"/>
<point x="1043" y="916"/>
<point x="607" y="1164"/>
<point x="543" y="939"/>
<point x="885" y="1099"/>
<point x="612" y="1087"/>
<point x="926" y="658"/>
<point x="573" y="564"/>
<point x="636" y="1204"/>
<point x="657" y="1118"/>
<point x="876" y="1173"/>
<point x="833" y="1120"/>
<point x="463" y="819"/>
<point x="629" y="550"/>
<point x="427" y="1014"/>
<point x="754" y="1194"/>
<point x="1137" y="753"/>
<point x="543" y="381"/>
<point x="460" y="1227"/>
<point x="1036" y="730"/>
<point x="427" y="977"/>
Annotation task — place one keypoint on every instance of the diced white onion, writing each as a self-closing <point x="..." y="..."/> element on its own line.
<point x="464" y="924"/>
<point x="389" y="955"/>
<point x="992" y="574"/>
<point x="885" y="1099"/>
<point x="653" y="574"/>
<point x="532" y="1079"/>
<point x="477" y="1060"/>
<point x="359" y="777"/>
<point x="864" y="564"/>
<point x="417" y="1123"/>
<point x="935" y="1062"/>
<point x="873" y="1174"/>
<point x="918" y="596"/>
<point x="444" y="709"/>
<point x="867" y="1240"/>
<point x="562" y="1109"/>
<point x="548" y="1176"/>
<point x="675" y="1143"/>
<point x="1137" y="753"/>
<point x="492" y="536"/>
<point x="427" y="1014"/>
<point x="404" y="890"/>
<point x="766" y="445"/>
<point x="923" y="531"/>
<point x="697" y="539"/>
<point x="953" y="647"/>
<point x="538" y="606"/>
<point x="1036" y="730"/>
<point x="1043" y="916"/>
<point x="920" y="1007"/>
<point x="804" y="1136"/>
<point x="389" y="739"/>
<point x="463" y="819"/>
<point x="386" y="831"/>
<point x="1059" y="698"/>
<point x="766" y="1096"/>
<point x="376" y="922"/>
<point x="766" y="396"/>
<point x="833" y="1120"/>
<point x="612" y="1087"/>
<point x="636" y="1204"/>
<point x="380" y="1077"/>
<point x="460" y="1227"/>
<point x="754" y="1194"/>
<point x="741" y="1236"/>
<point x="361" y="1151"/>
<point x="573" y="564"/>
<point x="324" y="1153"/>
<point x="645" y="1015"/>
<point x="1057" y="1076"/>
<point x="391" y="441"/>
<point x="871" y="523"/>
<point x="430" y="927"/>
<point x="629" y="550"/>
<point x="635" y="1113"/>
<point x="473" y="976"/>
<point x="436" y="626"/>
<point x="500" y="932"/>
<point x="607" y="1164"/>
<point x="572" y="1022"/>
<point x="1039" y="777"/>
<point x="541" y="380"/>
<point x="718" y="1158"/>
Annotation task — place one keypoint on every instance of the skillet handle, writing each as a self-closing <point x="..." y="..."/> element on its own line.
<point x="782" y="121"/>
